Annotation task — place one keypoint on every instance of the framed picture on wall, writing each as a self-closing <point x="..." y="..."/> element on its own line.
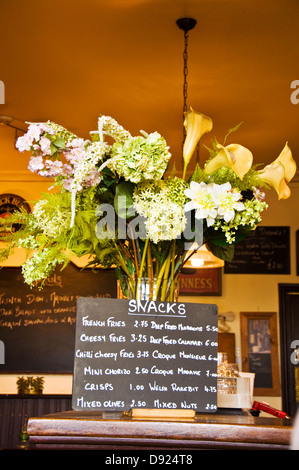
<point x="9" y="203"/>
<point x="203" y="281"/>
<point x="259" y="344"/>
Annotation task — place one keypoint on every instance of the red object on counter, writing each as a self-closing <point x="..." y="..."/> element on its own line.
<point x="268" y="409"/>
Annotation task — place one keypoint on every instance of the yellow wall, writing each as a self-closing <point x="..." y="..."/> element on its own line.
<point x="240" y="293"/>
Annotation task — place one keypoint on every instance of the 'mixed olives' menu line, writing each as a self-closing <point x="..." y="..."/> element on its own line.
<point x="133" y="354"/>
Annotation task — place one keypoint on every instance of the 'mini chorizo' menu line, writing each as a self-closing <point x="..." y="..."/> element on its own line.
<point x="145" y="354"/>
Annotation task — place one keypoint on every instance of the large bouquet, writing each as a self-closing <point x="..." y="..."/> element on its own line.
<point x="117" y="203"/>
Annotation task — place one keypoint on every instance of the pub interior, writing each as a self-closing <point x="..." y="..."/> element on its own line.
<point x="71" y="62"/>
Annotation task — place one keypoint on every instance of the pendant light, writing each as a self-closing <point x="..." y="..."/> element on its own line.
<point x="201" y="257"/>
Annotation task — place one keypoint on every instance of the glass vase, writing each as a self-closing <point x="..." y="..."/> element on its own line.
<point x="149" y="289"/>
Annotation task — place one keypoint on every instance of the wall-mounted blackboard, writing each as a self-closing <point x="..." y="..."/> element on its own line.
<point x="266" y="250"/>
<point x="132" y="354"/>
<point x="37" y="327"/>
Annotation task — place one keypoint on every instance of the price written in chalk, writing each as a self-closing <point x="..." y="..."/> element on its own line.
<point x="171" y="362"/>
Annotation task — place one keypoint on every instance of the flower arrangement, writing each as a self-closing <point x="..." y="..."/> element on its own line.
<point x="118" y="204"/>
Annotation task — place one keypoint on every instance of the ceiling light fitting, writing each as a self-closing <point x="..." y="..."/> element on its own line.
<point x="186" y="24"/>
<point x="202" y="257"/>
<point x="6" y="121"/>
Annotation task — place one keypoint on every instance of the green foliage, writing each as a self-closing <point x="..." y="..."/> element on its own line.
<point x="233" y="129"/>
<point x="123" y="200"/>
<point x="250" y="180"/>
<point x="128" y="177"/>
<point x="224" y="252"/>
<point x="198" y="174"/>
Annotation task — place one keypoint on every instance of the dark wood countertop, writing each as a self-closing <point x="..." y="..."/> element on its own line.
<point x="89" y="430"/>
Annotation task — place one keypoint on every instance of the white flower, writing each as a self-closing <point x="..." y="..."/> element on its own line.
<point x="227" y="200"/>
<point x="140" y="158"/>
<point x="153" y="137"/>
<point x="45" y="145"/>
<point x="108" y="125"/>
<point x="67" y="184"/>
<point x="34" y="131"/>
<point x="54" y="167"/>
<point x="213" y="201"/>
<point x="202" y="200"/>
<point x="76" y="143"/>
<point x="85" y="171"/>
<point x="165" y="221"/>
<point x="35" y="164"/>
<point x="51" y="220"/>
<point x="165" y="218"/>
<point x="24" y="143"/>
<point x="75" y="155"/>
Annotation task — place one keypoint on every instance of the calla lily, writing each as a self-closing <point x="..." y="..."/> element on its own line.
<point x="280" y="172"/>
<point x="287" y="161"/>
<point x="196" y="124"/>
<point x="235" y="156"/>
<point x="274" y="175"/>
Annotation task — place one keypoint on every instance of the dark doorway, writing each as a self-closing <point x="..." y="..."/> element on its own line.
<point x="289" y="346"/>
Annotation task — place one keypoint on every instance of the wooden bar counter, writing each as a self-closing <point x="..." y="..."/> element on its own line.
<point x="118" y="431"/>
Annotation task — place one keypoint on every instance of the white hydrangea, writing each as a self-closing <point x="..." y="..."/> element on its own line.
<point x="140" y="158"/>
<point x="50" y="220"/>
<point x="165" y="221"/>
<point x="165" y="218"/>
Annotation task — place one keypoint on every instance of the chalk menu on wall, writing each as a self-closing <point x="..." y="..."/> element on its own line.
<point x="37" y="327"/>
<point x="266" y="250"/>
<point x="144" y="354"/>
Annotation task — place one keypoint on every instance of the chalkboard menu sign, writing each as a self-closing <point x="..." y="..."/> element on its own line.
<point x="261" y="366"/>
<point x="259" y="351"/>
<point x="266" y="250"/>
<point x="37" y="327"/>
<point x="145" y="354"/>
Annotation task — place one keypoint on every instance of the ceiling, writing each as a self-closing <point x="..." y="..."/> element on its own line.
<point x="70" y="61"/>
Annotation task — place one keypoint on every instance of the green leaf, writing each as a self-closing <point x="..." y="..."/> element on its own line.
<point x="233" y="129"/>
<point x="173" y="171"/>
<point x="59" y="143"/>
<point x="120" y="276"/>
<point x="197" y="175"/>
<point x="95" y="137"/>
<point x="225" y="253"/>
<point x="53" y="149"/>
<point x="123" y="200"/>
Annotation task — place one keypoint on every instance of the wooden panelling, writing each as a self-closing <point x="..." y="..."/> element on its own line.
<point x="16" y="409"/>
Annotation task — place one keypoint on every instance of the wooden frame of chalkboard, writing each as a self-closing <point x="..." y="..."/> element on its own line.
<point x="289" y="334"/>
<point x="132" y="354"/>
<point x="37" y="327"/>
<point x="297" y="252"/>
<point x="260" y="351"/>
<point x="266" y="250"/>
